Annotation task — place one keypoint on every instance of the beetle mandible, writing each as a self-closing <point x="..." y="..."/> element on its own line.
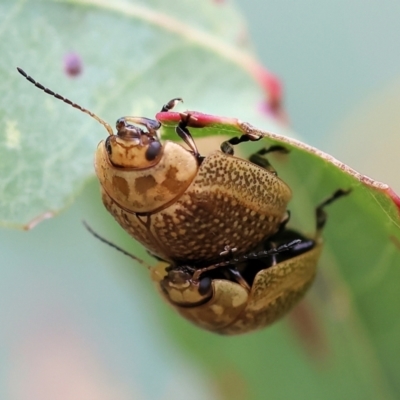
<point x="181" y="206"/>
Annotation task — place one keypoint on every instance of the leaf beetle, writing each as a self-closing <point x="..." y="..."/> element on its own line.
<point x="181" y="206"/>
<point x="240" y="294"/>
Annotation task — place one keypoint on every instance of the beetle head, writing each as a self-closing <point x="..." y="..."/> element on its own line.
<point x="135" y="170"/>
<point x="183" y="290"/>
<point x="132" y="146"/>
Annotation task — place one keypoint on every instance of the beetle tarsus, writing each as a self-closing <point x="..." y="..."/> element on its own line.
<point x="259" y="159"/>
<point x="320" y="213"/>
<point x="274" y="148"/>
<point x="227" y="146"/>
<point x="171" y="104"/>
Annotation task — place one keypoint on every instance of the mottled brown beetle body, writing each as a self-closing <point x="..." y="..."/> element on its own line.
<point x="225" y="201"/>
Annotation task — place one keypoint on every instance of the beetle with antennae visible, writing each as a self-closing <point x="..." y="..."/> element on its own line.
<point x="181" y="205"/>
<point x="218" y="223"/>
<point x="239" y="294"/>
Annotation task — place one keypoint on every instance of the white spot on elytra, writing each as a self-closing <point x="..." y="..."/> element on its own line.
<point x="13" y="135"/>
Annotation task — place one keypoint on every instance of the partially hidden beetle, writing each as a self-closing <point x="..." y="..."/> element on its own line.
<point x="179" y="205"/>
<point x="241" y="294"/>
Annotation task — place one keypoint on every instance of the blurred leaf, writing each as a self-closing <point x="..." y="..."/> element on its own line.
<point x="132" y="57"/>
<point x="369" y="135"/>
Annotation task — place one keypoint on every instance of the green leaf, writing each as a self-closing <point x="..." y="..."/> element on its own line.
<point x="135" y="56"/>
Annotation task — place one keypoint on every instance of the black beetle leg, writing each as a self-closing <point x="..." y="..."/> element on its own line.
<point x="171" y="104"/>
<point x="227" y="147"/>
<point x="185" y="135"/>
<point x="259" y="159"/>
<point x="320" y="213"/>
<point x="233" y="272"/>
<point x="278" y="235"/>
<point x="181" y="129"/>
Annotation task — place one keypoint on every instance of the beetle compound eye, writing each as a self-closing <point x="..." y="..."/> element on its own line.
<point x="153" y="150"/>
<point x="205" y="286"/>
<point x="108" y="145"/>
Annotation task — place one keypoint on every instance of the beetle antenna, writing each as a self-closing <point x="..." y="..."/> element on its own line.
<point x="113" y="245"/>
<point x="262" y="254"/>
<point x="65" y="100"/>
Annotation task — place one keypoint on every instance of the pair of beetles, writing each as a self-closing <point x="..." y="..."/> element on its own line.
<point x="217" y="224"/>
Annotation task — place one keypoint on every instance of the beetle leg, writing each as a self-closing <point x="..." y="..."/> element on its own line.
<point x="185" y="135"/>
<point x="303" y="245"/>
<point x="259" y="159"/>
<point x="227" y="146"/>
<point x="171" y="104"/>
<point x="320" y="213"/>
<point x="233" y="271"/>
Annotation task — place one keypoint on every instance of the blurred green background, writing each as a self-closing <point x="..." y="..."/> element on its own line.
<point x="339" y="62"/>
<point x="77" y="322"/>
